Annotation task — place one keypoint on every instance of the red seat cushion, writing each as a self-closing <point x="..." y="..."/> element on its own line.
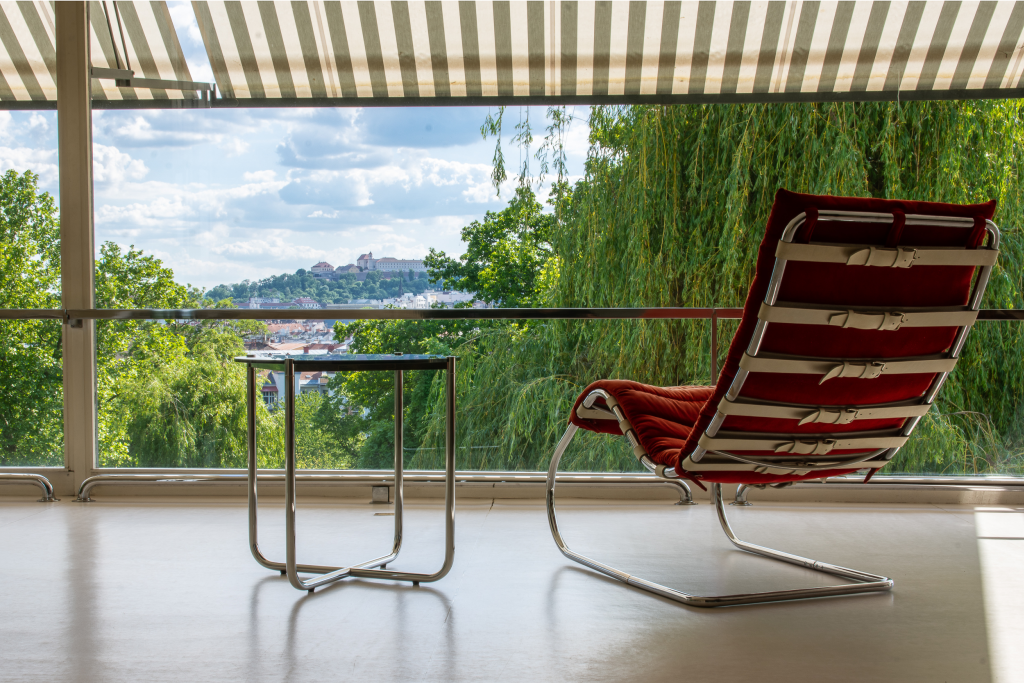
<point x="661" y="416"/>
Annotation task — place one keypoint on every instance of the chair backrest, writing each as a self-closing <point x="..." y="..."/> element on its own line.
<point x="858" y="312"/>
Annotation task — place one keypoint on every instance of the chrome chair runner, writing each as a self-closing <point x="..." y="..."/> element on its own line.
<point x="867" y="582"/>
<point x="751" y="456"/>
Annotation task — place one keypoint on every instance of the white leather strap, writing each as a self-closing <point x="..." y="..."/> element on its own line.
<point x="884" y="257"/>
<point x="799" y="445"/>
<point x="868" y="319"/>
<point x="821" y="414"/>
<point x="830" y="369"/>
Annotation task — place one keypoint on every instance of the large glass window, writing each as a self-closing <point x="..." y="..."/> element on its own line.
<point x="295" y="210"/>
<point x="31" y="403"/>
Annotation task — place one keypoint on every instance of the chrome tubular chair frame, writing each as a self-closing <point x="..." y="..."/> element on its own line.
<point x="867" y="583"/>
<point x="369" y="569"/>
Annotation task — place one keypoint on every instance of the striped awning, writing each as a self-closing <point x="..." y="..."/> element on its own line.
<point x="319" y="53"/>
<point x="28" y="64"/>
<point x="491" y="52"/>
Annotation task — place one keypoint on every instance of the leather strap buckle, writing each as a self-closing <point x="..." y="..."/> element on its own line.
<point x="832" y="416"/>
<point x="807" y="447"/>
<point x="858" y="370"/>
<point x="867" y="321"/>
<point x="900" y="257"/>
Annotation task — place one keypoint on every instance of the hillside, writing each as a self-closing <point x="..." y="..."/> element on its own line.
<point x="289" y="286"/>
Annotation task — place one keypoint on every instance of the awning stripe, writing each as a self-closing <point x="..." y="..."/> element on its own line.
<point x="6" y="94"/>
<point x="371" y="45"/>
<point x="1007" y="45"/>
<point x="268" y="48"/>
<point x="247" y="65"/>
<point x="766" y="53"/>
<point x="701" y="47"/>
<point x="451" y="64"/>
<point x="429" y="44"/>
<point x="503" y="48"/>
<point x="667" y="53"/>
<point x="975" y="38"/>
<point x="43" y="41"/>
<point x="836" y="46"/>
<point x="469" y="28"/>
<point x="937" y="46"/>
<point x="170" y="44"/>
<point x="983" y="61"/>
<point x="406" y="51"/>
<point x="802" y="46"/>
<point x="339" y="41"/>
<point x="142" y="59"/>
<point x="734" y="48"/>
<point x="537" y="49"/>
<point x="519" y="40"/>
<point x="311" y="51"/>
<point x="16" y="54"/>
<point x="214" y="51"/>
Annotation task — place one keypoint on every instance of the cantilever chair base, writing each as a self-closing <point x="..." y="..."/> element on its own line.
<point x="865" y="582"/>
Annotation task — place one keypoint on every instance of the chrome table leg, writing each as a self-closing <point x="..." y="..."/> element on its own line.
<point x="866" y="582"/>
<point x="366" y="569"/>
<point x="253" y="478"/>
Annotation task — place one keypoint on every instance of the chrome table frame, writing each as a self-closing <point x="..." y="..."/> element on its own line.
<point x="866" y="583"/>
<point x="369" y="569"/>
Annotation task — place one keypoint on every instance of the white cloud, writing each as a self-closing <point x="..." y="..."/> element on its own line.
<point x="39" y="122"/>
<point x="172" y="204"/>
<point x="244" y="194"/>
<point x="259" y="176"/>
<point x="111" y="165"/>
<point x="42" y="162"/>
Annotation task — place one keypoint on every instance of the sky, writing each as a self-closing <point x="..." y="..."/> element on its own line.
<point x="225" y="195"/>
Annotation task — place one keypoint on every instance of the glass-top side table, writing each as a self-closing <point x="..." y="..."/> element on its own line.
<point x="398" y="363"/>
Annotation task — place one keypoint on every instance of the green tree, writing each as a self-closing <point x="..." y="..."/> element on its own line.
<point x="370" y="429"/>
<point x="31" y="404"/>
<point x="505" y="256"/>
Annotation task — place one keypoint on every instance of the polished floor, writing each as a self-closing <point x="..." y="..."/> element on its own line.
<point x="143" y="591"/>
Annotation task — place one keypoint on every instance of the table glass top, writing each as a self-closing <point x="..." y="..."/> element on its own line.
<point x="336" y="357"/>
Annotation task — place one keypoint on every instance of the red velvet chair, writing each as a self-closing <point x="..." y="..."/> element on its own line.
<point x="857" y="314"/>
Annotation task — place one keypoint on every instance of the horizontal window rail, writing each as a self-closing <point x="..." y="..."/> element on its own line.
<point x="119" y="477"/>
<point x="654" y="313"/>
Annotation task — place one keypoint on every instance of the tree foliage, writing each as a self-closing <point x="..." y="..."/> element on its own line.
<point x="290" y="286"/>
<point x="670" y="213"/>
<point x="31" y="403"/>
<point x="506" y="254"/>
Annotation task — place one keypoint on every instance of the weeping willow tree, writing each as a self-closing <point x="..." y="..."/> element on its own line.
<point x="670" y="213"/>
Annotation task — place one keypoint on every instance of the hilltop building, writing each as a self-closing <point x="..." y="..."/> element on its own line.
<point x="367" y="262"/>
<point x="322" y="269"/>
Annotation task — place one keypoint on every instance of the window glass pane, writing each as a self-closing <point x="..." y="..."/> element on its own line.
<point x="32" y="401"/>
<point x="29" y="216"/>
<point x="31" y="404"/>
<point x="296" y="208"/>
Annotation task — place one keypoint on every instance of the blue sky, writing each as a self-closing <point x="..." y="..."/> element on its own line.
<point x="231" y="194"/>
